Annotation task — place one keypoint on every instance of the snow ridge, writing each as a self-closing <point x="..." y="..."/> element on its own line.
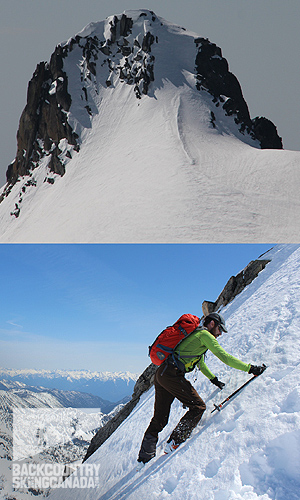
<point x="151" y="146"/>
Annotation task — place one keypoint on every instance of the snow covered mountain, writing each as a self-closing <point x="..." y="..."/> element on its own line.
<point x="42" y="426"/>
<point x="136" y="131"/>
<point x="249" y="450"/>
<point x="16" y="393"/>
<point x="109" y="386"/>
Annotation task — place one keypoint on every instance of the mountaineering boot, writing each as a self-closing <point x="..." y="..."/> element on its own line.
<point x="148" y="448"/>
<point x="170" y="446"/>
<point x="139" y="466"/>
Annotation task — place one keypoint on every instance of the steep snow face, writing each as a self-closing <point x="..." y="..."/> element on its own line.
<point x="251" y="448"/>
<point x="160" y="158"/>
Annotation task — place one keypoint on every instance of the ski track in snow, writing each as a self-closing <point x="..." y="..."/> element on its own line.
<point x="250" y="450"/>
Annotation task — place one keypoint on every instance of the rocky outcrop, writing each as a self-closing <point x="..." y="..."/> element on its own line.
<point x="137" y="68"/>
<point x="43" y="122"/>
<point x="142" y="385"/>
<point x="265" y="131"/>
<point x="234" y="286"/>
<point x="213" y="75"/>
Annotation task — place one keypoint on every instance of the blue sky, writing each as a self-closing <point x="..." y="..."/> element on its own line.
<point x="98" y="307"/>
<point x="260" y="39"/>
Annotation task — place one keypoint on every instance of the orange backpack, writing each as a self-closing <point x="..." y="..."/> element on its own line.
<point x="169" y="338"/>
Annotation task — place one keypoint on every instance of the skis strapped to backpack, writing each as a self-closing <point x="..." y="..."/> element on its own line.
<point x="169" y="338"/>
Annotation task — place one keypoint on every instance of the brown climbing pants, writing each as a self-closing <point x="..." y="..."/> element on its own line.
<point x="170" y="383"/>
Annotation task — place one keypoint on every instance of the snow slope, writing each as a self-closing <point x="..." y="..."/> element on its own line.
<point x="155" y="169"/>
<point x="251" y="449"/>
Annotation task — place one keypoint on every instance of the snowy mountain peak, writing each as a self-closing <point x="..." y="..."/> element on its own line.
<point x="136" y="48"/>
<point x="126" y="103"/>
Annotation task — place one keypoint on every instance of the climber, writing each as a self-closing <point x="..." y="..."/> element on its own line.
<point x="170" y="383"/>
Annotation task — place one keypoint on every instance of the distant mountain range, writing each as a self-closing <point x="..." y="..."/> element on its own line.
<point x="108" y="387"/>
<point x="46" y="425"/>
<point x="17" y="394"/>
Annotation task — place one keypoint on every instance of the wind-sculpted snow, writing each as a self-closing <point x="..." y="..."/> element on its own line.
<point x="250" y="450"/>
<point x="141" y="134"/>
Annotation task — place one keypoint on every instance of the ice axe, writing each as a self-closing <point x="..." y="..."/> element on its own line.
<point x="220" y="406"/>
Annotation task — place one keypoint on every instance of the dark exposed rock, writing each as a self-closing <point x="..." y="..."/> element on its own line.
<point x="148" y="40"/>
<point x="43" y="122"/>
<point x="124" y="25"/>
<point x="208" y="307"/>
<point x="266" y="132"/>
<point x="106" y="50"/>
<point x="126" y="51"/>
<point x="137" y="68"/>
<point x="213" y="72"/>
<point x="214" y="76"/>
<point x="234" y="286"/>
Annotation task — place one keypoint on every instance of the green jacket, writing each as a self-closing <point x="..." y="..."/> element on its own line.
<point x="190" y="352"/>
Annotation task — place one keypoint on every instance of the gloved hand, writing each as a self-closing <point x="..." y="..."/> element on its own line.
<point x="217" y="382"/>
<point x="257" y="370"/>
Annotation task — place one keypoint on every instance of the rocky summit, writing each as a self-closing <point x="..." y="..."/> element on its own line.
<point x="123" y="48"/>
<point x="127" y="103"/>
